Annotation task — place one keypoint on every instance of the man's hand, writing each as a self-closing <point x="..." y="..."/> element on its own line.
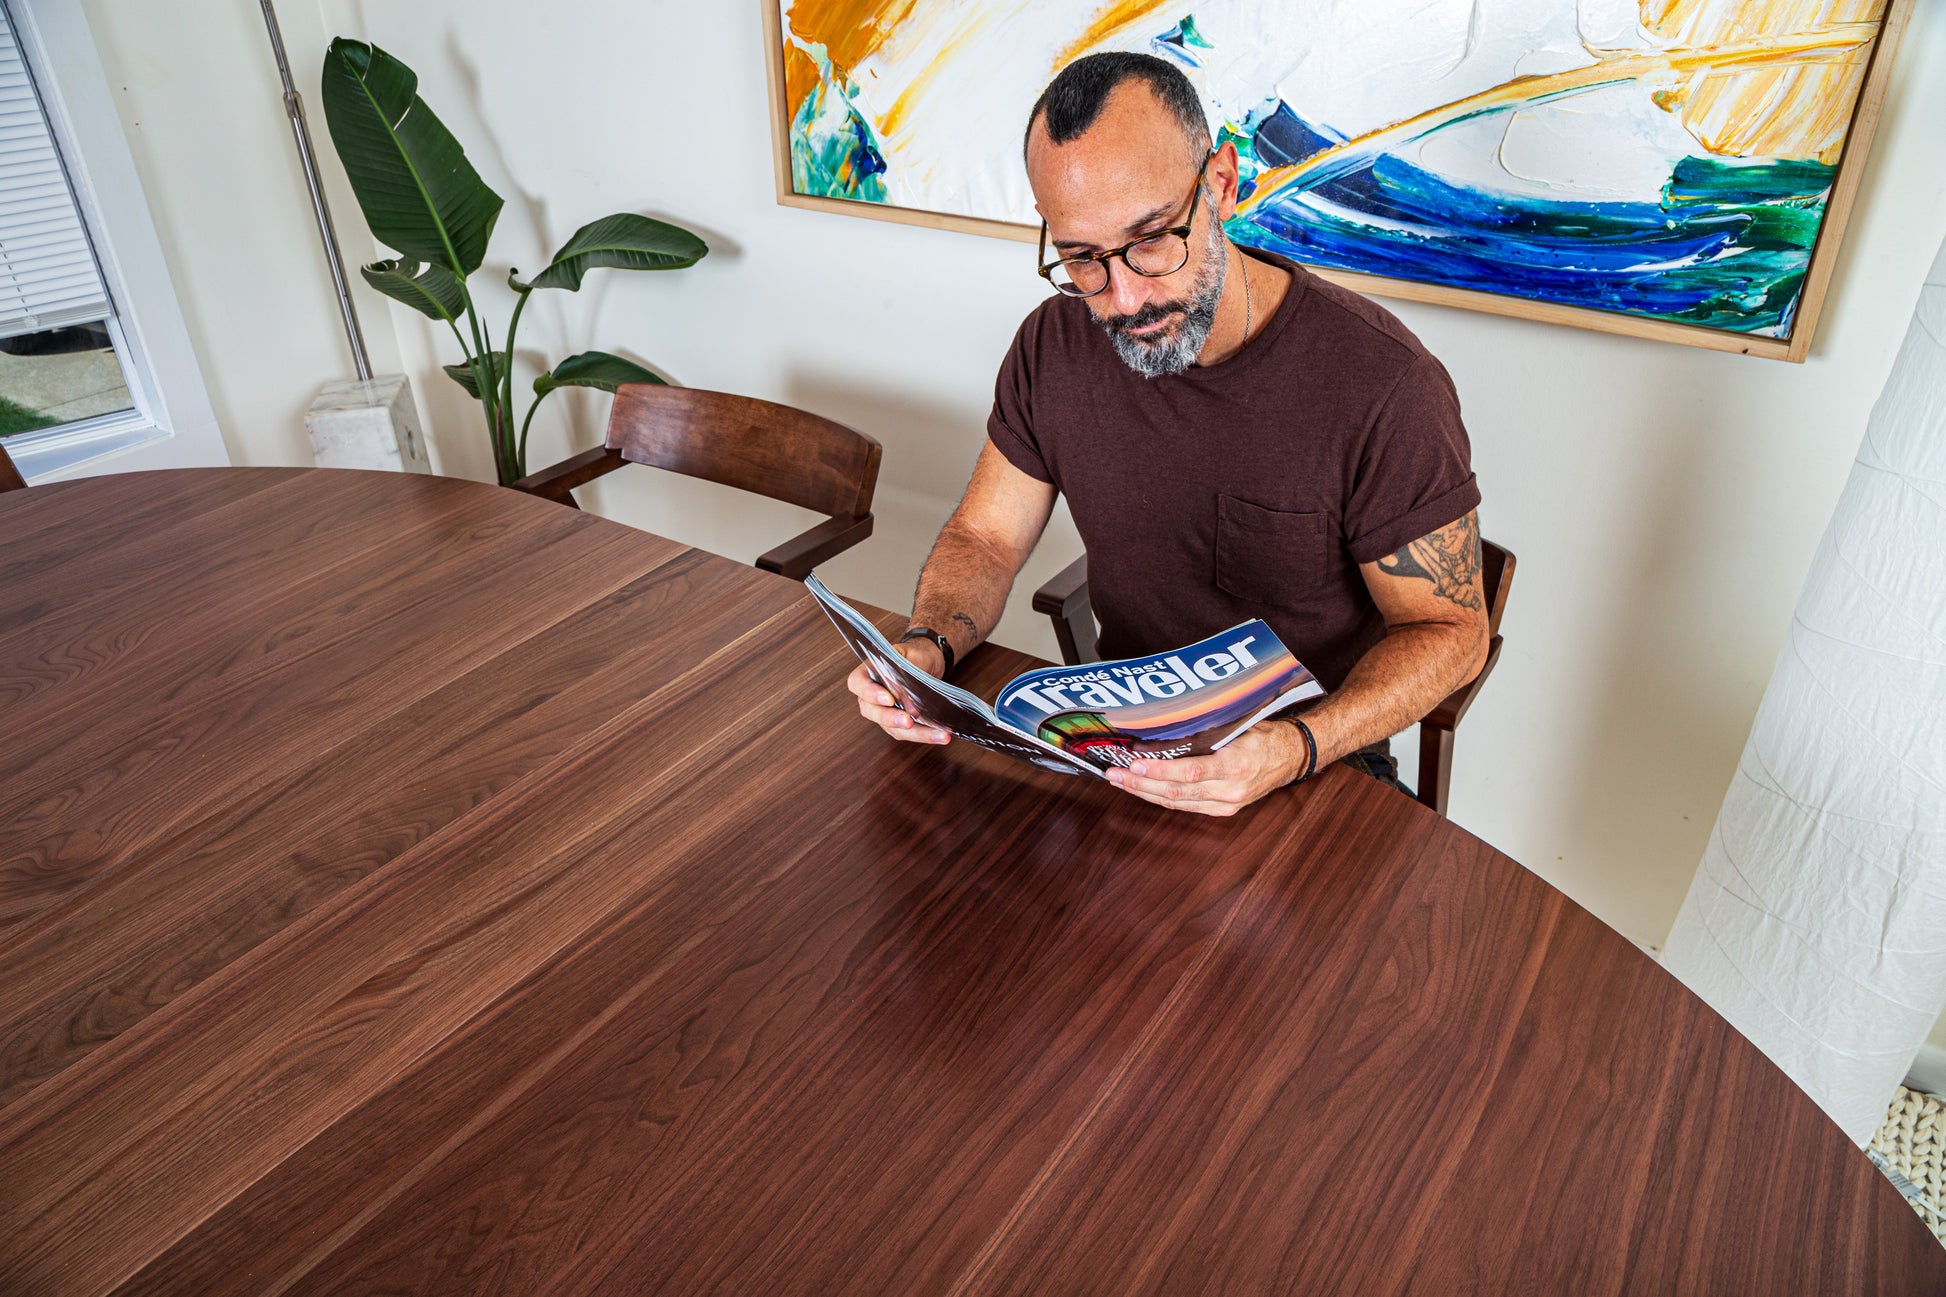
<point x="1220" y="783"/>
<point x="877" y="705"/>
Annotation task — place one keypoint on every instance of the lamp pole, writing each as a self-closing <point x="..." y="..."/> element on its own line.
<point x="294" y="108"/>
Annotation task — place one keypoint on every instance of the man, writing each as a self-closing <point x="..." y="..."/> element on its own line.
<point x="1236" y="439"/>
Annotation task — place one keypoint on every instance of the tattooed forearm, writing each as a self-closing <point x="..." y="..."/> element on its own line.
<point x="1449" y="558"/>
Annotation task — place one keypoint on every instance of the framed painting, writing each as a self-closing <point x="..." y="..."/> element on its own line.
<point x="1676" y="169"/>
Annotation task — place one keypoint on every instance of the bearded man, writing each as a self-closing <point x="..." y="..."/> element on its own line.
<point x="1236" y="438"/>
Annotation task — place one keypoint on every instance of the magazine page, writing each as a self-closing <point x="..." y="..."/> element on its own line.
<point x="1178" y="704"/>
<point x="933" y="700"/>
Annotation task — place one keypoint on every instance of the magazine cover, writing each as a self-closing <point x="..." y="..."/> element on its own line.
<point x="1084" y="719"/>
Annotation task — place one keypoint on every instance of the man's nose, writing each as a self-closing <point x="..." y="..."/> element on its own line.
<point x="1127" y="291"/>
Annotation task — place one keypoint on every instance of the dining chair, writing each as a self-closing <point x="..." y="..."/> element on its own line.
<point x="1065" y="599"/>
<point x="758" y="446"/>
<point x="10" y="478"/>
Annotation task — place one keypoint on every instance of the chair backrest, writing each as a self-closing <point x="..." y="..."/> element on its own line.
<point x="1496" y="578"/>
<point x="774" y="450"/>
<point x="10" y="478"/>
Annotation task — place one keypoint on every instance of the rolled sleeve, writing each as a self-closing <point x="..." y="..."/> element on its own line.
<point x="1414" y="474"/>
<point x="1018" y="449"/>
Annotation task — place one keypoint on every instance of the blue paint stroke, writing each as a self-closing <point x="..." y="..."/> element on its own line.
<point x="1725" y="247"/>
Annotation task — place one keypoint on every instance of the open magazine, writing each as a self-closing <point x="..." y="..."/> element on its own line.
<point x="1084" y="719"/>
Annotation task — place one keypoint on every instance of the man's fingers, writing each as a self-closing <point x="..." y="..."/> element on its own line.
<point x="1175" y="792"/>
<point x="900" y="725"/>
<point x="1215" y="767"/>
<point x="1179" y="803"/>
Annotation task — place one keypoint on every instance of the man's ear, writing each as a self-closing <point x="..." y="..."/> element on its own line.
<point x="1226" y="171"/>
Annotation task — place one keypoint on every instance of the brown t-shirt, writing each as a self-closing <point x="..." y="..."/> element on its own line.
<point x="1253" y="488"/>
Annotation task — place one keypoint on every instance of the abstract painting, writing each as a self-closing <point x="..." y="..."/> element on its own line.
<point x="1675" y="168"/>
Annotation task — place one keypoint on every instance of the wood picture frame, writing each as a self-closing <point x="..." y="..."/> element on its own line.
<point x="1794" y="348"/>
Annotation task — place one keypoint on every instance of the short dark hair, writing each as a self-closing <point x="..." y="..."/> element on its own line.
<point x="1074" y="99"/>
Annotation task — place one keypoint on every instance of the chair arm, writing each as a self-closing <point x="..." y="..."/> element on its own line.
<point x="558" y="483"/>
<point x="797" y="556"/>
<point x="1065" y="599"/>
<point x="1447" y="715"/>
<point x="1059" y="596"/>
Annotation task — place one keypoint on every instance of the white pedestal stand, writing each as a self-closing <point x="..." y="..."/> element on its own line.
<point x="375" y="424"/>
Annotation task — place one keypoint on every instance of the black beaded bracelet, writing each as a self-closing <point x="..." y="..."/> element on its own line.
<point x="1310" y="748"/>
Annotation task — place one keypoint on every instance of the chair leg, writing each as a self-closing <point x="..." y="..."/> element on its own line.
<point x="1075" y="633"/>
<point x="1435" y="765"/>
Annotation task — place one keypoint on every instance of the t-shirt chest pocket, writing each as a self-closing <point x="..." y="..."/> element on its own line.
<point x="1268" y="556"/>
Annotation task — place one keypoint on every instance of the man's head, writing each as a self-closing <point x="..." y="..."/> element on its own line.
<point x="1116" y="148"/>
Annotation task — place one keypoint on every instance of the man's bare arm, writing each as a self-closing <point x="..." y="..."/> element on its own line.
<point x="963" y="586"/>
<point x="1435" y="641"/>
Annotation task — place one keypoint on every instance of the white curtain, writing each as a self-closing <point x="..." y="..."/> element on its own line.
<point x="1817" y="922"/>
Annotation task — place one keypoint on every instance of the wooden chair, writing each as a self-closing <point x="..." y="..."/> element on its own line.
<point x="758" y="446"/>
<point x="10" y="478"/>
<point x="1065" y="599"/>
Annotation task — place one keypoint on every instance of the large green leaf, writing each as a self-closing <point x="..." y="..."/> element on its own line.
<point x="430" y="290"/>
<point x="624" y="241"/>
<point x="419" y="194"/>
<point x="593" y="369"/>
<point x="462" y="373"/>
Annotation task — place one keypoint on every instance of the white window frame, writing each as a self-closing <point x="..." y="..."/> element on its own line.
<point x="171" y="424"/>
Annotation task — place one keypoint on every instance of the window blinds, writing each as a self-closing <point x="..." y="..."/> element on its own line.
<point x="48" y="276"/>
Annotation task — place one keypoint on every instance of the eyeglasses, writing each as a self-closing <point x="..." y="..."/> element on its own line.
<point x="1153" y="255"/>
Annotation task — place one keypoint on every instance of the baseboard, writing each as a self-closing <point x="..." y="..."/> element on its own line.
<point x="1928" y="1070"/>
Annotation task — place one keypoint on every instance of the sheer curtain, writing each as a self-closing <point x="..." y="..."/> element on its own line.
<point x="1817" y="921"/>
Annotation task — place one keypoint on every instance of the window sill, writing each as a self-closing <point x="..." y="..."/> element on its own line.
<point x="59" y="452"/>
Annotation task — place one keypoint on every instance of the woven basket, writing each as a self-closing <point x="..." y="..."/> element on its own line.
<point x="1912" y="1142"/>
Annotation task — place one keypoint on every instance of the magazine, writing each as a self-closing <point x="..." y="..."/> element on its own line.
<point x="1084" y="719"/>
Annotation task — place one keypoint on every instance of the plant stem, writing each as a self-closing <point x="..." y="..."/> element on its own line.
<point x="520" y="449"/>
<point x="533" y="406"/>
<point x="481" y="362"/>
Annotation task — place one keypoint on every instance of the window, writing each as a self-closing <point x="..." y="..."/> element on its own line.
<point x="96" y="372"/>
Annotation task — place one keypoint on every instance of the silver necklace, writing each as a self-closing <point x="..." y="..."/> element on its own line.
<point x="1246" y="300"/>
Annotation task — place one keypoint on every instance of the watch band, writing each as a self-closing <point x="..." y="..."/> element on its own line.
<point x="945" y="645"/>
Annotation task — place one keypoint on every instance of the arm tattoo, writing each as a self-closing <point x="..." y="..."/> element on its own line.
<point x="972" y="627"/>
<point x="1449" y="558"/>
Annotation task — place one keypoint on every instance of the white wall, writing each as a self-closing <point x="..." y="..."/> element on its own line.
<point x="1664" y="501"/>
<point x="203" y="109"/>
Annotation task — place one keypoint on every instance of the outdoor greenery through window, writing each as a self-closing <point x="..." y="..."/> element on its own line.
<point x="58" y="359"/>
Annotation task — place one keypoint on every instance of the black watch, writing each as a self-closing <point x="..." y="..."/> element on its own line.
<point x="945" y="645"/>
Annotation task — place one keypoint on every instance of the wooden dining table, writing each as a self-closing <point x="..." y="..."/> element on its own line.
<point x="412" y="886"/>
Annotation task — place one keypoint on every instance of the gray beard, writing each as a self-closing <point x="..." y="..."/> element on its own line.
<point x="1179" y="351"/>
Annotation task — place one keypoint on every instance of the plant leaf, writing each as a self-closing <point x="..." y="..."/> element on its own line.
<point x="462" y="373"/>
<point x="430" y="290"/>
<point x="624" y="241"/>
<point x="593" y="369"/>
<point x="419" y="194"/>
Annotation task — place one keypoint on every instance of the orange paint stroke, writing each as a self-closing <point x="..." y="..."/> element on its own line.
<point x="1799" y="112"/>
<point x="1110" y="21"/>
<point x="1848" y="41"/>
<point x="849" y="30"/>
<point x="800" y="79"/>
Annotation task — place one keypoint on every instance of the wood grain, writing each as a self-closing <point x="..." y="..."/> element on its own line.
<point x="504" y="901"/>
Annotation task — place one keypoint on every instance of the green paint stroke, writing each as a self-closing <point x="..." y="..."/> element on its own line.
<point x="833" y="151"/>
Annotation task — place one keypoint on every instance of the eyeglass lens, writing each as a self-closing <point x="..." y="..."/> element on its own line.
<point x="1163" y="254"/>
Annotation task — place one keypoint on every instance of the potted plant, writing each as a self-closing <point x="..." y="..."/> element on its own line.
<point x="422" y="199"/>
